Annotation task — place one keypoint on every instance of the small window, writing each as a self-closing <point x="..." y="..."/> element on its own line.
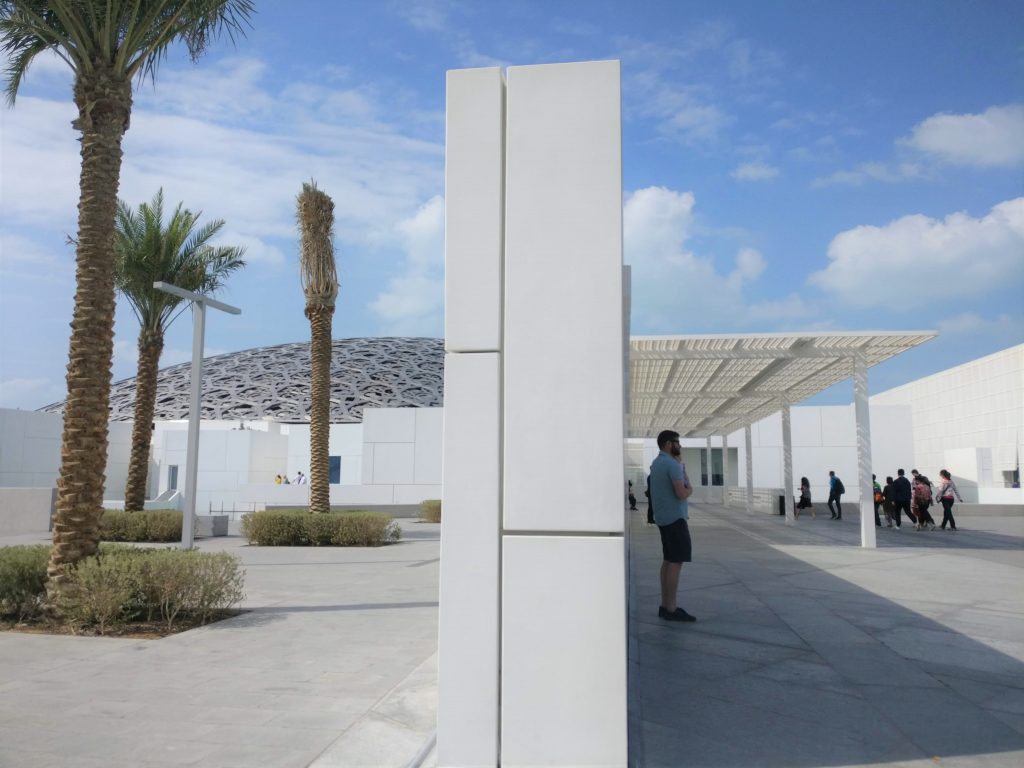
<point x="172" y="477"/>
<point x="334" y="470"/>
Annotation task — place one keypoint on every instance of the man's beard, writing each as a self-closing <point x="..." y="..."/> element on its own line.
<point x="677" y="451"/>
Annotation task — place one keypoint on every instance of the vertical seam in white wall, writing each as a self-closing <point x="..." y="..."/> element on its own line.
<point x="501" y="396"/>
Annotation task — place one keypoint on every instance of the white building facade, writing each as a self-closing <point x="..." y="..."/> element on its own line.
<point x="970" y="420"/>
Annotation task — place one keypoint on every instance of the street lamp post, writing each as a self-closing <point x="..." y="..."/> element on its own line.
<point x="199" y="304"/>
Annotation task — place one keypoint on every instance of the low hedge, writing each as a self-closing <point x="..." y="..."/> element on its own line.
<point x="301" y="528"/>
<point x="123" y="584"/>
<point x="23" y="580"/>
<point x="161" y="525"/>
<point x="430" y="510"/>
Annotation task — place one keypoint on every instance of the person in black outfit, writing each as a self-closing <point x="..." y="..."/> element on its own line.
<point x="901" y="496"/>
<point x="632" y="498"/>
<point x="805" y="496"/>
<point x="887" y="501"/>
<point x="650" y="504"/>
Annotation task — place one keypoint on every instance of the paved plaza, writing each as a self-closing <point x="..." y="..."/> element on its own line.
<point x="808" y="651"/>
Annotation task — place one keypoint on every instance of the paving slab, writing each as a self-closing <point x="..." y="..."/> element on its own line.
<point x="329" y="633"/>
<point x="808" y="651"/>
<point x="811" y="651"/>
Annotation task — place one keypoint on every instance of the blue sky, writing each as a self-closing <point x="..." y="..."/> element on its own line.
<point x="787" y="166"/>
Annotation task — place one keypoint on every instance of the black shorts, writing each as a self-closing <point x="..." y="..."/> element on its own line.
<point x="675" y="542"/>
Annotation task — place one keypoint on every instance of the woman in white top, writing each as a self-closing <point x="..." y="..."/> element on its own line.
<point x="945" y="493"/>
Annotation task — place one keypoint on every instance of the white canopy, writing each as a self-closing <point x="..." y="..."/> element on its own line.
<point x="716" y="384"/>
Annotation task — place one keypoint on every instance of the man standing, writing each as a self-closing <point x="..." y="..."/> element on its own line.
<point x="901" y="495"/>
<point x="670" y="488"/>
<point x="836" y="489"/>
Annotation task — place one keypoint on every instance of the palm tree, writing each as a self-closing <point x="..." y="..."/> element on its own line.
<point x="320" y="284"/>
<point x="178" y="254"/>
<point x="106" y="43"/>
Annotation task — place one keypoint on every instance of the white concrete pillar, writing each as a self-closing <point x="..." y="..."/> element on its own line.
<point x="787" y="463"/>
<point x="863" y="418"/>
<point x="725" y="470"/>
<point x="711" y="487"/>
<point x="469" y="620"/>
<point x="563" y="630"/>
<point x="748" y="443"/>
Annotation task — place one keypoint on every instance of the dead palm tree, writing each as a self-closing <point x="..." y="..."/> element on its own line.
<point x="178" y="254"/>
<point x="320" y="284"/>
<point x="106" y="43"/>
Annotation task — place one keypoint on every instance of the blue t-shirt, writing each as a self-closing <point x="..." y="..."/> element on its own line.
<point x="667" y="506"/>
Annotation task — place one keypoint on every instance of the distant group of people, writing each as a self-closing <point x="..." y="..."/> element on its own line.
<point x="669" y="487"/>
<point x="300" y="479"/>
<point x="914" y="498"/>
<point x="899" y="496"/>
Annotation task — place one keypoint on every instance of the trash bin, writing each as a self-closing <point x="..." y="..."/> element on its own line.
<point x="782" y="505"/>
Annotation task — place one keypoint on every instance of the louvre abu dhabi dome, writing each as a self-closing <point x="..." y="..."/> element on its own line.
<point x="273" y="382"/>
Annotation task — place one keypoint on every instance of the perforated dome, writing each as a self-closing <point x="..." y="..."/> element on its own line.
<point x="273" y="382"/>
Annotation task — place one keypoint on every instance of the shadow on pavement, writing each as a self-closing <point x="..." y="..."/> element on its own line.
<point x="811" y="653"/>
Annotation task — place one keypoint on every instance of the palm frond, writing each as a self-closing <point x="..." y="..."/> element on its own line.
<point x="316" y="262"/>
<point x="150" y="250"/>
<point x="124" y="37"/>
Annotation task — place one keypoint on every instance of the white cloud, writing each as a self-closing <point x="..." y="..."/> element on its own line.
<point x="993" y="138"/>
<point x="915" y="260"/>
<point x="423" y="234"/>
<point x="257" y="250"/>
<point x="865" y="172"/>
<point x="372" y="166"/>
<point x="412" y="302"/>
<point x="676" y="289"/>
<point x="972" y="324"/>
<point x="126" y="354"/>
<point x="756" y="171"/>
<point x="425" y="15"/>
<point x="30" y="393"/>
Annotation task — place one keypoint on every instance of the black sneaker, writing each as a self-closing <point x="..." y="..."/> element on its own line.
<point x="678" y="615"/>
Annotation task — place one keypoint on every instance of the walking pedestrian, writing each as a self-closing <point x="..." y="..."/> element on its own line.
<point x="836" y="489"/>
<point x="876" y="489"/>
<point x="923" y="500"/>
<point x="888" y="506"/>
<point x="947" y="488"/>
<point x="901" y="496"/>
<point x="805" y="497"/>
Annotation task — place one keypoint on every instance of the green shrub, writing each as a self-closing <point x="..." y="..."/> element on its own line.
<point x="124" y="583"/>
<point x="102" y="591"/>
<point x="298" y="528"/>
<point x="23" y="580"/>
<point x="161" y="525"/>
<point x="430" y="510"/>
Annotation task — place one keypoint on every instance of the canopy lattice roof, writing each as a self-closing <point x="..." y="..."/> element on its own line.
<point x="716" y="384"/>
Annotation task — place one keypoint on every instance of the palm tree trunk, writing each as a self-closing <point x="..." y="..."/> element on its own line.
<point x="104" y="106"/>
<point x="320" y="408"/>
<point x="151" y="344"/>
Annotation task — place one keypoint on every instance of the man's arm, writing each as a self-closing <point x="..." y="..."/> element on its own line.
<point x="682" y="490"/>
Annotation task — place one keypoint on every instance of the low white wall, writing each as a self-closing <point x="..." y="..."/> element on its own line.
<point x="26" y="510"/>
<point x="345" y="441"/>
<point x="824" y="438"/>
<point x="30" y="451"/>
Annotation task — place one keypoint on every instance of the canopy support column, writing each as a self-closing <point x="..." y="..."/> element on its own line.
<point x="725" y="470"/>
<point x="750" y="469"/>
<point x="863" y="417"/>
<point x="787" y="463"/>
<point x="710" y="474"/>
